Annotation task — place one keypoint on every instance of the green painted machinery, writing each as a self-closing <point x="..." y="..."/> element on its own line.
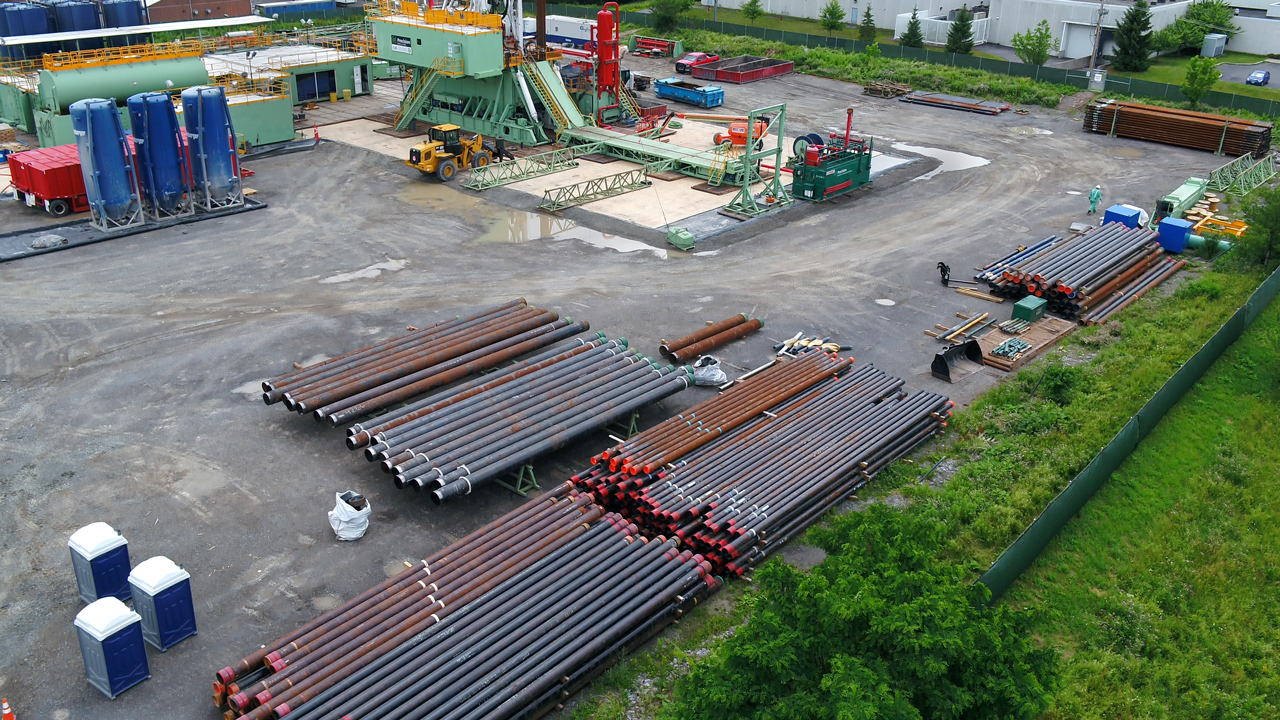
<point x="822" y="172"/>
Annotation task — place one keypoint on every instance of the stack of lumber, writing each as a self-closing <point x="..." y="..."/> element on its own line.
<point x="1202" y="131"/>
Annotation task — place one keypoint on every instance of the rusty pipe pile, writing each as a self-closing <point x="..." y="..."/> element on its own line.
<point x="1077" y="274"/>
<point x="1202" y="131"/>
<point x="1154" y="274"/>
<point x="457" y="439"/>
<point x="505" y="623"/>
<point x="364" y="381"/>
<point x="737" y="499"/>
<point x="710" y="337"/>
<point x="711" y="419"/>
<point x="322" y="654"/>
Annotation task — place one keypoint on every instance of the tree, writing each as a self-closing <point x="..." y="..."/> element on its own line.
<point x="752" y="10"/>
<point x="832" y="17"/>
<point x="1034" y="45"/>
<point x="1133" y="39"/>
<point x="913" y="37"/>
<point x="666" y="14"/>
<point x="1262" y="213"/>
<point x="1201" y="17"/>
<point x="960" y="36"/>
<point x="867" y="29"/>
<point x="1202" y="73"/>
<point x="885" y="627"/>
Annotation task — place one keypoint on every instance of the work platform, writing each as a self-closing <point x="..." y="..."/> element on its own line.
<point x="647" y="151"/>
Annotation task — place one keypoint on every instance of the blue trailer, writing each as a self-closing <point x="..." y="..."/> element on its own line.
<point x="673" y="88"/>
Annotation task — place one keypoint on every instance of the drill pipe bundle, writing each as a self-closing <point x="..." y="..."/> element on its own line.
<point x="1154" y="274"/>
<point x="1202" y="131"/>
<point x="675" y="437"/>
<point x="710" y="337"/>
<point x="457" y="439"/>
<point x="521" y="648"/>
<point x="1077" y="274"/>
<point x="326" y="652"/>
<point x="376" y="377"/>
<point x="736" y="500"/>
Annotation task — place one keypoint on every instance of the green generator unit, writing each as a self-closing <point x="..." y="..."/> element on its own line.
<point x="821" y="172"/>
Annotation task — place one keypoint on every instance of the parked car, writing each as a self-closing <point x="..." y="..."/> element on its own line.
<point x="1258" y="77"/>
<point x="686" y="64"/>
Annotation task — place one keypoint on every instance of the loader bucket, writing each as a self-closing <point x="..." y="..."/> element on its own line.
<point x="957" y="361"/>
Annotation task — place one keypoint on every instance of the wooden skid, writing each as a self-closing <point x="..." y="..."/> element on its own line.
<point x="1042" y="335"/>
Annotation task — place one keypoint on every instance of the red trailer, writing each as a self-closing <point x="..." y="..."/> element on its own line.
<point x="50" y="178"/>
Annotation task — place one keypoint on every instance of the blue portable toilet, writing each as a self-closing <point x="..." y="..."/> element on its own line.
<point x="1122" y="214"/>
<point x="115" y="656"/>
<point x="1174" y="234"/>
<point x="162" y="596"/>
<point x="100" y="556"/>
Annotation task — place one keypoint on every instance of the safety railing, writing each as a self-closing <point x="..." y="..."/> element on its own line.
<point x="122" y="55"/>
<point x="390" y="10"/>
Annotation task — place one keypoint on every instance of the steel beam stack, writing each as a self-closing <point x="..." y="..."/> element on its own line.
<point x="734" y="494"/>
<point x="1202" y="131"/>
<point x="454" y="440"/>
<point x="379" y="376"/>
<point x="504" y="624"/>
<point x="1077" y="275"/>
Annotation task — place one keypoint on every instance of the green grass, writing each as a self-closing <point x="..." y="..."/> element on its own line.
<point x="1162" y="595"/>
<point x="1172" y="69"/>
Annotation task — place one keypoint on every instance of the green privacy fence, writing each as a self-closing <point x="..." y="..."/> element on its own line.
<point x="1076" y="78"/>
<point x="1022" y="553"/>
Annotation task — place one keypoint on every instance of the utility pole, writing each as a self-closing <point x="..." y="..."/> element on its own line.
<point x="1097" y="36"/>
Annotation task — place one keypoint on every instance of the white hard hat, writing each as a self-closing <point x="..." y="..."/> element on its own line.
<point x="1097" y="187"/>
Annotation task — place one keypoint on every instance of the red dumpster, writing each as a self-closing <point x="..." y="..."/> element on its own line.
<point x="50" y="178"/>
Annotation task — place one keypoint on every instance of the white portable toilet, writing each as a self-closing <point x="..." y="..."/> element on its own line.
<point x="100" y="556"/>
<point x="115" y="656"/>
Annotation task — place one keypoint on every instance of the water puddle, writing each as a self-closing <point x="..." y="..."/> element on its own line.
<point x="707" y="253"/>
<point x="1028" y="130"/>
<point x="368" y="273"/>
<point x="516" y="226"/>
<point x="881" y="163"/>
<point x="951" y="160"/>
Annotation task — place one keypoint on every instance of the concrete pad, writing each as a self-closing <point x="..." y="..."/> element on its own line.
<point x="361" y="134"/>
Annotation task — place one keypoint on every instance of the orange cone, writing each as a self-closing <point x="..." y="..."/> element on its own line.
<point x="5" y="712"/>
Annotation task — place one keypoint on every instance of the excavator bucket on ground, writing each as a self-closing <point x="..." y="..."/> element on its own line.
<point x="957" y="361"/>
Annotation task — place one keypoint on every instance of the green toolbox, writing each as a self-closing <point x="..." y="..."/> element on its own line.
<point x="1029" y="308"/>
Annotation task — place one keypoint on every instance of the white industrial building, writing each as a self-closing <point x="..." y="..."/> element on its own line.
<point x="997" y="21"/>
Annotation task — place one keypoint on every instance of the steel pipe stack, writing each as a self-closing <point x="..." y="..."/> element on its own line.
<point x="710" y="337"/>
<point x="1152" y="276"/>
<point x="738" y="498"/>
<point x="510" y="635"/>
<point x="363" y="381"/>
<point x="1202" y="131"/>
<point x="1076" y="275"/>
<point x="472" y="433"/>
<point x="325" y="652"/>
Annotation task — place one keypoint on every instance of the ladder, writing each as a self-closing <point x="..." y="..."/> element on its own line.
<point x="548" y="100"/>
<point x="719" y="163"/>
<point x="628" y="102"/>
<point x="420" y="88"/>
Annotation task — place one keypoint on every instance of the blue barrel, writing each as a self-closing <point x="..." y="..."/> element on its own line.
<point x="75" y="16"/>
<point x="158" y="150"/>
<point x="104" y="158"/>
<point x="211" y="139"/>
<point x="125" y="13"/>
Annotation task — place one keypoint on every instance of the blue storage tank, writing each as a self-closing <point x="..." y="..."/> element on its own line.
<point x="100" y="557"/>
<point x="211" y="142"/>
<point x="115" y="658"/>
<point x="125" y="13"/>
<point x="162" y="596"/>
<point x="25" y="19"/>
<point x="159" y="150"/>
<point x="76" y="16"/>
<point x="104" y="159"/>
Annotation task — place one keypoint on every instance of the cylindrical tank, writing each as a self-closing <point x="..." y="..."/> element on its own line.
<point x="75" y="16"/>
<point x="60" y="88"/>
<point x="25" y="19"/>
<point x="158" y="147"/>
<point x="104" y="158"/>
<point x="607" y="47"/>
<point x="125" y="13"/>
<point x="211" y="141"/>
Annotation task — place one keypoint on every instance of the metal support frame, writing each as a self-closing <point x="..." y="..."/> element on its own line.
<point x="204" y="199"/>
<point x="1222" y="177"/>
<point x="626" y="429"/>
<point x="596" y="189"/>
<point x="134" y="216"/>
<point x="745" y="201"/>
<point x="521" y="482"/>
<point x="1259" y="173"/>
<point x="532" y="166"/>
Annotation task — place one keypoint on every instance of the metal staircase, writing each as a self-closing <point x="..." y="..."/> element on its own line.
<point x="715" y="174"/>
<point x="420" y="89"/>
<point x="628" y="102"/>
<point x="548" y="100"/>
